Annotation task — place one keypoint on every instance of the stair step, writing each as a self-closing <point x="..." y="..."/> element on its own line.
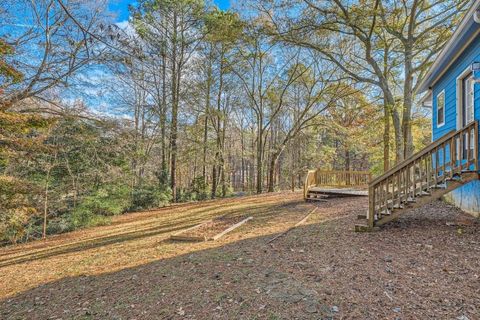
<point x="315" y="194"/>
<point x="317" y="199"/>
<point x="362" y="228"/>
<point x="410" y="200"/>
<point x="362" y="217"/>
<point x="385" y="213"/>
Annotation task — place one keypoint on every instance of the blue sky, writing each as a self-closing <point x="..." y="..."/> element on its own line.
<point x="120" y="7"/>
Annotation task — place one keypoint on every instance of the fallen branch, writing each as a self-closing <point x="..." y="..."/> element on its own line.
<point x="293" y="227"/>
<point x="388" y="296"/>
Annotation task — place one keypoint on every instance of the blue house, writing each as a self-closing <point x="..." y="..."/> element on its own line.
<point x="451" y="89"/>
<point x="449" y="166"/>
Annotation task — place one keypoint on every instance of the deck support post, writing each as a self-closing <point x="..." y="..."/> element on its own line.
<point x="371" y="206"/>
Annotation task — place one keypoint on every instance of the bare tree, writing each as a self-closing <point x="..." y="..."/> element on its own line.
<point x="386" y="44"/>
<point x="50" y="47"/>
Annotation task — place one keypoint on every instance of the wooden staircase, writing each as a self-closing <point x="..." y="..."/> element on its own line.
<point x="443" y="166"/>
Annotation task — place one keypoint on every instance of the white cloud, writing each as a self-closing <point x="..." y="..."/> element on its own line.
<point x="126" y="26"/>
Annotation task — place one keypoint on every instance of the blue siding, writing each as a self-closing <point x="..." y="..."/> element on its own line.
<point x="466" y="197"/>
<point x="448" y="82"/>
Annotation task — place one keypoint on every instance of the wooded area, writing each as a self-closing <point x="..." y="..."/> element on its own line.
<point x="189" y="102"/>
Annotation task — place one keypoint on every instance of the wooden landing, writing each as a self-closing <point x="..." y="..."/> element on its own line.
<point x="346" y="192"/>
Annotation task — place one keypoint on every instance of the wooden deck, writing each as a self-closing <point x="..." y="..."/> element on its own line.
<point x="350" y="192"/>
<point x="323" y="183"/>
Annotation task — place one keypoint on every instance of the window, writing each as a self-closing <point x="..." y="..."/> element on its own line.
<point x="441" y="109"/>
<point x="468" y="99"/>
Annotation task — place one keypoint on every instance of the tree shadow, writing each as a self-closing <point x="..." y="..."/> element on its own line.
<point x="144" y="230"/>
<point x="321" y="270"/>
<point x="220" y="282"/>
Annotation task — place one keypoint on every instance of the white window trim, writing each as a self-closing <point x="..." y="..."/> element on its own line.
<point x="441" y="124"/>
<point x="473" y="102"/>
<point x="459" y="99"/>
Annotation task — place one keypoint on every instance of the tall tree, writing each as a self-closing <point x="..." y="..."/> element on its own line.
<point x="420" y="29"/>
<point x="178" y="25"/>
<point x="261" y="76"/>
<point x="223" y="31"/>
<point x="310" y="95"/>
<point x="353" y="37"/>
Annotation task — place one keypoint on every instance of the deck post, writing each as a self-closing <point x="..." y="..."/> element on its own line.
<point x="371" y="206"/>
<point x="305" y="186"/>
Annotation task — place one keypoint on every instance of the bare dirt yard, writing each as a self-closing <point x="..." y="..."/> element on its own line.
<point x="423" y="266"/>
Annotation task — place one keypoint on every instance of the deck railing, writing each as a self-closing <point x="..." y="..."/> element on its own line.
<point x="444" y="159"/>
<point x="336" y="178"/>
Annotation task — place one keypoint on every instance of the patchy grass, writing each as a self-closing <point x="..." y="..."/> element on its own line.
<point x="136" y="239"/>
<point x="423" y="266"/>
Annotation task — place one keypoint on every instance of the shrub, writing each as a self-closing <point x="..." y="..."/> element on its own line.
<point x="107" y="201"/>
<point x="163" y="180"/>
<point x="84" y="218"/>
<point x="184" y="195"/>
<point x="13" y="223"/>
<point x="59" y="225"/>
<point x="200" y="189"/>
<point x="149" y="197"/>
<point x="228" y="191"/>
<point x="15" y="208"/>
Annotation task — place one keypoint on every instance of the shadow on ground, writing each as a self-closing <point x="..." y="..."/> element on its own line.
<point x="423" y="266"/>
<point x="143" y="230"/>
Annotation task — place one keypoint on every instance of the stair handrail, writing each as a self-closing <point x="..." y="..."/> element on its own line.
<point x="420" y="154"/>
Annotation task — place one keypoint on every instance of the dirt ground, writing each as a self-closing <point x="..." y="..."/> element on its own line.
<point x="424" y="266"/>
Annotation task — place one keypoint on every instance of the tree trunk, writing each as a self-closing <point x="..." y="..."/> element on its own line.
<point x="292" y="169"/>
<point x="45" y="205"/>
<point x="271" y="172"/>
<point x="386" y="138"/>
<point x="389" y="101"/>
<point x="223" y="181"/>
<point x="397" y="126"/>
<point x="347" y="164"/>
<point x="407" y="106"/>
<point x="163" y="114"/>
<point x="252" y="164"/>
<point x="273" y="164"/>
<point x="214" y="179"/>
<point x="218" y="153"/>
<point x="242" y="144"/>
<point x="260" y="157"/>
<point x="173" y="133"/>
<point x="207" y="112"/>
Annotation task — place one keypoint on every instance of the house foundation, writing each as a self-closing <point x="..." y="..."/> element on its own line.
<point x="467" y="198"/>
